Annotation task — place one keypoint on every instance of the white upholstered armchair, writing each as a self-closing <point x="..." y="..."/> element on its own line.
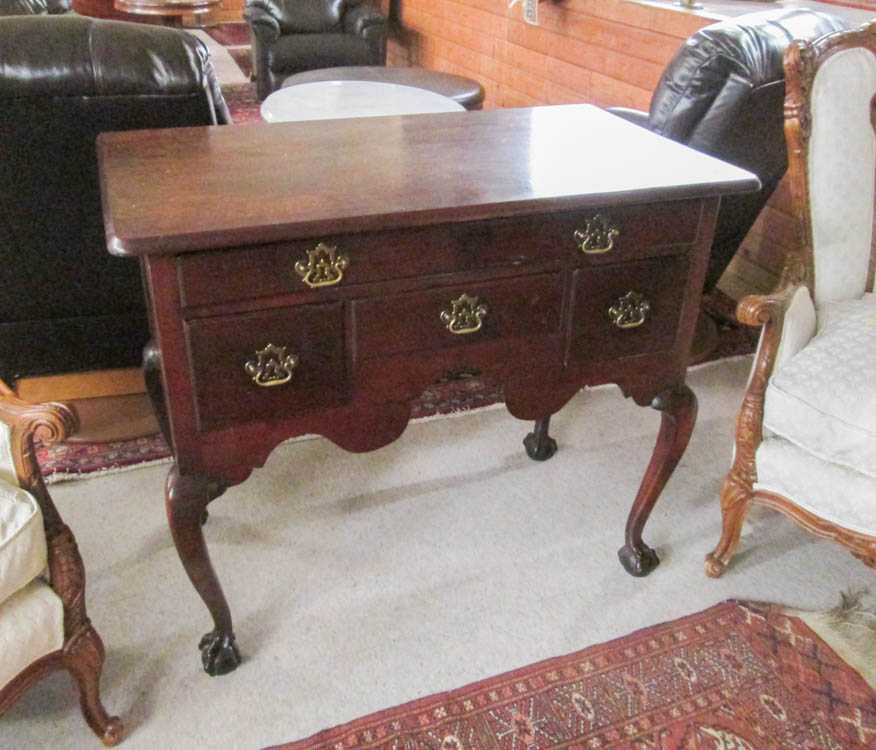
<point x="806" y="432"/>
<point x="43" y="623"/>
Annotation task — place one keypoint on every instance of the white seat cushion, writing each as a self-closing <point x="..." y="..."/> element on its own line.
<point x="824" y="398"/>
<point x="31" y="626"/>
<point x="832" y="492"/>
<point x="22" y="540"/>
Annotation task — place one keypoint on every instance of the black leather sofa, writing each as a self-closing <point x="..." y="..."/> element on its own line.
<point x="65" y="303"/>
<point x="723" y="94"/>
<point x="292" y="36"/>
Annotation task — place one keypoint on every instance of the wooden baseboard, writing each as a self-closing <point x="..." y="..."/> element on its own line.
<point x="79" y="385"/>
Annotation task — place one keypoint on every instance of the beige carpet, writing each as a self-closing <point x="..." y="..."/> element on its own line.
<point x="362" y="581"/>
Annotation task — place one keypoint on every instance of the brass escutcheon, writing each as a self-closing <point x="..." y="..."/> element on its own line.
<point x="324" y="267"/>
<point x="629" y="311"/>
<point x="464" y="316"/>
<point x="272" y="366"/>
<point x="597" y="237"/>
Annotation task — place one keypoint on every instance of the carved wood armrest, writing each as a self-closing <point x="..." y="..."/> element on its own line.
<point x="759" y="309"/>
<point x="768" y="311"/>
<point x="49" y="423"/>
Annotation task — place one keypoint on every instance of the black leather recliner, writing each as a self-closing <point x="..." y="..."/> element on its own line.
<point x="723" y="94"/>
<point x="65" y="303"/>
<point x="292" y="36"/>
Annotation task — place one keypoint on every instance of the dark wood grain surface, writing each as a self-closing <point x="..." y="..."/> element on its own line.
<point x="170" y="191"/>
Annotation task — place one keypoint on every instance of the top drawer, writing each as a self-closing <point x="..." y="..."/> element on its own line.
<point x="590" y="236"/>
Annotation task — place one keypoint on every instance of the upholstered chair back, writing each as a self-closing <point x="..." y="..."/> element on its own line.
<point x="842" y="174"/>
<point x="312" y="16"/>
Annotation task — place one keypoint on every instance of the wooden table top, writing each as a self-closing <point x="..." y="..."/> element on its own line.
<point x="186" y="189"/>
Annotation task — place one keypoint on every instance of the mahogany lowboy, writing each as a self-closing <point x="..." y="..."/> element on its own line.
<point x="316" y="278"/>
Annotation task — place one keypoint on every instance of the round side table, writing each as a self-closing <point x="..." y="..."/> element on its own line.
<point x="466" y="91"/>
<point x="168" y="12"/>
<point x="332" y="100"/>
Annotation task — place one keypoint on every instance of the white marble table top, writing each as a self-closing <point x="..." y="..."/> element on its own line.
<point x="333" y="100"/>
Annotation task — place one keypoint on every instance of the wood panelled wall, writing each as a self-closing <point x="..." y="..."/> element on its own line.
<point x="605" y="52"/>
<point x="608" y="52"/>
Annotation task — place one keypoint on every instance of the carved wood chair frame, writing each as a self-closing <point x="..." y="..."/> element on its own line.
<point x="802" y="61"/>
<point x="82" y="654"/>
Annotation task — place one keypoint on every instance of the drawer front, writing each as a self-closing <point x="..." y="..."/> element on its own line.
<point x="337" y="262"/>
<point x="622" y="311"/>
<point x="605" y="236"/>
<point x="267" y="364"/>
<point x="323" y="263"/>
<point x="460" y="315"/>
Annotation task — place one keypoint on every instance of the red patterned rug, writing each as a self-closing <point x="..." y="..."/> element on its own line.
<point x="738" y="676"/>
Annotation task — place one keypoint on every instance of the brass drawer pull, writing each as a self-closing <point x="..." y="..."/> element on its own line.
<point x="464" y="316"/>
<point x="629" y="311"/>
<point x="597" y="237"/>
<point x="324" y="267"/>
<point x="272" y="366"/>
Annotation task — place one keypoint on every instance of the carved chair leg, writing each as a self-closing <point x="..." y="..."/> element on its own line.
<point x="187" y="497"/>
<point x="679" y="408"/>
<point x="83" y="658"/>
<point x="540" y="446"/>
<point x="736" y="494"/>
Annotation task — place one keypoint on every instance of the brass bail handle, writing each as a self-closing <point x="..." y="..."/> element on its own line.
<point x="466" y="315"/>
<point x="323" y="267"/>
<point x="271" y="366"/>
<point x="629" y="311"/>
<point x="597" y="237"/>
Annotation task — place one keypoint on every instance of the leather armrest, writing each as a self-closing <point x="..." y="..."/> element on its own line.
<point x="363" y="20"/>
<point x="635" y="116"/>
<point x="263" y="17"/>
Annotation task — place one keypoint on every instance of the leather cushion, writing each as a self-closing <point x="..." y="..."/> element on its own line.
<point x="33" y="7"/>
<point x="743" y="53"/>
<point x="31" y="626"/>
<point x="76" y="56"/>
<point x="22" y="540"/>
<point x="298" y="52"/>
<point x="824" y="399"/>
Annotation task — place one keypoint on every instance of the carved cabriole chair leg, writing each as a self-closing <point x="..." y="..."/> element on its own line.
<point x="736" y="497"/>
<point x="83" y="658"/>
<point x="83" y="653"/>
<point x="737" y="492"/>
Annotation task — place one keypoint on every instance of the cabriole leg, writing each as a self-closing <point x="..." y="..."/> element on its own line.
<point x="540" y="446"/>
<point x="83" y="658"/>
<point x="679" y="409"/>
<point x="736" y="494"/>
<point x="187" y="497"/>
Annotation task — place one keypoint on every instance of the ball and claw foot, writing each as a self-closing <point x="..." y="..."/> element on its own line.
<point x="539" y="449"/>
<point x="219" y="653"/>
<point x="714" y="566"/>
<point x="113" y="732"/>
<point x="638" y="561"/>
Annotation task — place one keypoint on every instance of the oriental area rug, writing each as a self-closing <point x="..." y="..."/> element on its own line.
<point x="738" y="676"/>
